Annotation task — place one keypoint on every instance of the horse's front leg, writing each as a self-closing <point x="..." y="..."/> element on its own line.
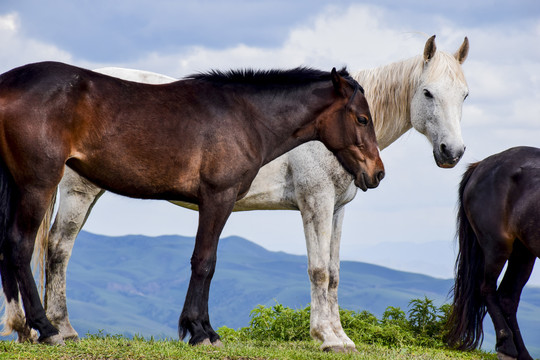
<point x="317" y="210"/>
<point x="77" y="197"/>
<point x="334" y="280"/>
<point x="214" y="210"/>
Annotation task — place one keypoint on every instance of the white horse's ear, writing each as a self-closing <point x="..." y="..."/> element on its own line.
<point x="430" y="49"/>
<point x="463" y="51"/>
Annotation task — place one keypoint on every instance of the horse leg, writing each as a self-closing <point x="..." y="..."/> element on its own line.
<point x="316" y="210"/>
<point x="30" y="208"/>
<point x="496" y="256"/>
<point x="334" y="281"/>
<point x="14" y="318"/>
<point x="214" y="210"/>
<point x="77" y="197"/>
<point x="520" y="266"/>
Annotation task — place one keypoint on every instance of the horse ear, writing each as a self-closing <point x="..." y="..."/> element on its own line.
<point x="336" y="81"/>
<point x="463" y="51"/>
<point x="430" y="49"/>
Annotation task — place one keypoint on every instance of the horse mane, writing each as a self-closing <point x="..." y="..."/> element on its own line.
<point x="298" y="76"/>
<point x="390" y="88"/>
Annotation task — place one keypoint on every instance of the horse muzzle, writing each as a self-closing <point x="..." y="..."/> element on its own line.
<point x="364" y="181"/>
<point x="447" y="157"/>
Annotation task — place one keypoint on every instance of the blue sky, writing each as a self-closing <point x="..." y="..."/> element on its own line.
<point x="415" y="204"/>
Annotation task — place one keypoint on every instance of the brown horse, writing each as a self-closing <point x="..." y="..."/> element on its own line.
<point x="498" y="221"/>
<point x="200" y="140"/>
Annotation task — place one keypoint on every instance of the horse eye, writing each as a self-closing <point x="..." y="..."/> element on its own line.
<point x="428" y="94"/>
<point x="362" y="120"/>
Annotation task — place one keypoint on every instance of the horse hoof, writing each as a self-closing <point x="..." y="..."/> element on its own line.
<point x="217" y="343"/>
<point x="205" y="342"/>
<point x="30" y="336"/>
<point x="341" y="349"/>
<point x="74" y="338"/>
<point x="53" y="340"/>
<point x="501" y="356"/>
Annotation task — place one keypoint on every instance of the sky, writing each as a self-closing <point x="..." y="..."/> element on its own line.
<point x="410" y="217"/>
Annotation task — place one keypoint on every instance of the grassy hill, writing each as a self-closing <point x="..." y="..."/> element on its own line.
<point x="136" y="285"/>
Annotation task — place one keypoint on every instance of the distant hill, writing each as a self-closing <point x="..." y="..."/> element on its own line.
<point x="137" y="285"/>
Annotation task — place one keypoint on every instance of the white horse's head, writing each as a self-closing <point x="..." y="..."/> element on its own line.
<point x="437" y="102"/>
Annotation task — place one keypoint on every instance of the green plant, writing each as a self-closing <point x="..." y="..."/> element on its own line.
<point x="423" y="325"/>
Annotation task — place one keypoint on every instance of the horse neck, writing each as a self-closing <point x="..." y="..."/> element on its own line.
<point x="389" y="91"/>
<point x="291" y="125"/>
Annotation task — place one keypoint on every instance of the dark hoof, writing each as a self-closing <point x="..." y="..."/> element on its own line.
<point x="53" y="340"/>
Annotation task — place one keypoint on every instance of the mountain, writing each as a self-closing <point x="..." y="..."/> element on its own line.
<point x="136" y="285"/>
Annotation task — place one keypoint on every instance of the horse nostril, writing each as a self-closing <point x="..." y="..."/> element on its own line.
<point x="380" y="175"/>
<point x="444" y="151"/>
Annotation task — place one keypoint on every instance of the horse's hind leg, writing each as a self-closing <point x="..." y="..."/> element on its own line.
<point x="30" y="207"/>
<point x="520" y="266"/>
<point x="77" y="197"/>
<point x="496" y="256"/>
<point x="13" y="319"/>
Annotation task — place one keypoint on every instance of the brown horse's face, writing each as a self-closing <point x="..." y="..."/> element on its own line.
<point x="347" y="130"/>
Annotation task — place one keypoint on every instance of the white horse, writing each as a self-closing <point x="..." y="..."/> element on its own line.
<point x="425" y="92"/>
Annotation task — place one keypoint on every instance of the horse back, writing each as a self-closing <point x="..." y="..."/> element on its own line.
<point x="502" y="194"/>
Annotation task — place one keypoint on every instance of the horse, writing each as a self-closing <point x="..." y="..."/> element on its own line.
<point x="307" y="178"/>
<point x="200" y="140"/>
<point x="498" y="222"/>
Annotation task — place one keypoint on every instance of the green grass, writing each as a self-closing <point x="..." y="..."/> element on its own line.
<point x="417" y="334"/>
<point x="118" y="347"/>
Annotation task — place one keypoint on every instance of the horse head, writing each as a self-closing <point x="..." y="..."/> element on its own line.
<point x="347" y="130"/>
<point x="438" y="100"/>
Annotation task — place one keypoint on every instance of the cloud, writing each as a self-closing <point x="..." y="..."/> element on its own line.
<point x="18" y="50"/>
<point x="355" y="37"/>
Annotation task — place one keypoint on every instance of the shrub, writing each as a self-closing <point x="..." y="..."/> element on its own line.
<point x="424" y="325"/>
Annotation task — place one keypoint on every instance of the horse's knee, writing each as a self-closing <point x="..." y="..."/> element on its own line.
<point x="319" y="276"/>
<point x="203" y="267"/>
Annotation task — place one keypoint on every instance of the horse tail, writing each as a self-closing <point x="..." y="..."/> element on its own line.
<point x="41" y="245"/>
<point x="465" y="331"/>
<point x="6" y="207"/>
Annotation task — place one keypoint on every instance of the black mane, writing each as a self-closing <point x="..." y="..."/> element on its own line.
<point x="297" y="76"/>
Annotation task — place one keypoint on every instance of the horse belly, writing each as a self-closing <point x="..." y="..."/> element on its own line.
<point x="140" y="178"/>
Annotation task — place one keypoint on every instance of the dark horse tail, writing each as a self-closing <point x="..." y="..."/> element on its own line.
<point x="468" y="309"/>
<point x="6" y="189"/>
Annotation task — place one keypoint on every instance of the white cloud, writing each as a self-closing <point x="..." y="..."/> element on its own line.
<point x="18" y="50"/>
<point x="357" y="37"/>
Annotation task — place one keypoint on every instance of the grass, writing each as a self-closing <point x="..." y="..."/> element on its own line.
<point x="94" y="347"/>
<point x="417" y="334"/>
